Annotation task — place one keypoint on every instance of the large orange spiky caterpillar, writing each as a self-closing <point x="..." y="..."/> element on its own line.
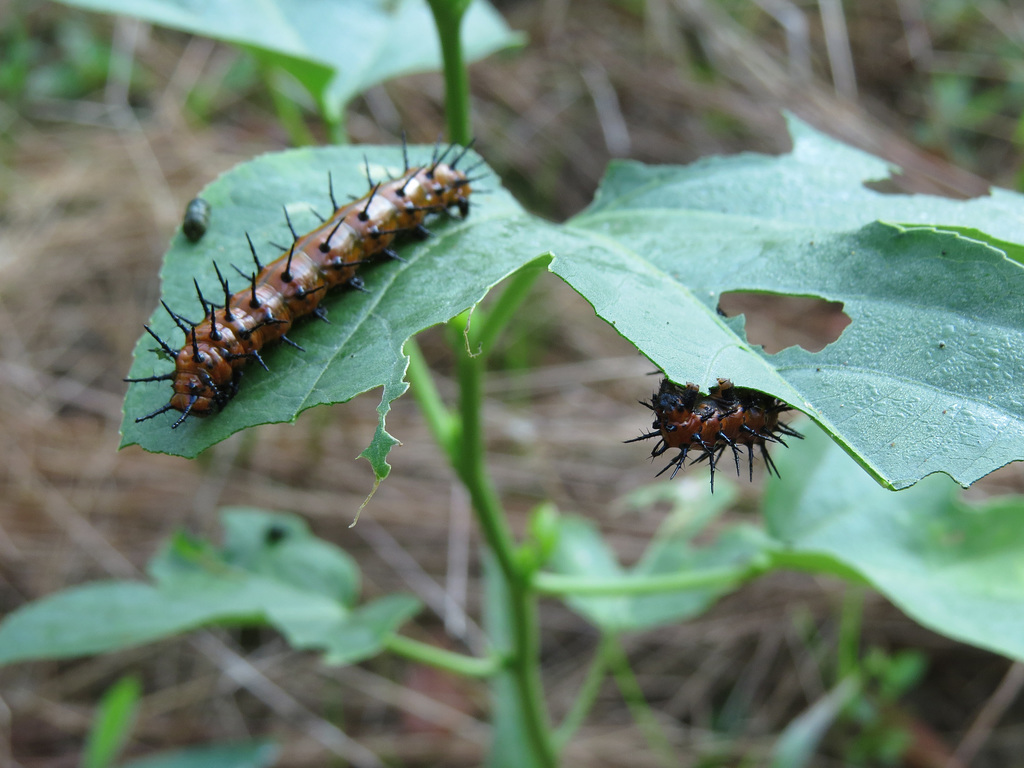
<point x="727" y="417"/>
<point x="208" y="367"/>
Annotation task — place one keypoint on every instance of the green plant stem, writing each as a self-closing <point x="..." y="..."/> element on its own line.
<point x="586" y="696"/>
<point x="288" y="112"/>
<point x="633" y="695"/>
<point x="442" y="424"/>
<point x="457" y="663"/>
<point x="524" y="656"/>
<point x="557" y="584"/>
<point x="335" y="123"/>
<point x="465" y="447"/>
<point x="500" y="312"/>
<point x="848" y="644"/>
<point x="448" y="20"/>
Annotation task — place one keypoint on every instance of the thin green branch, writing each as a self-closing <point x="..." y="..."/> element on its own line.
<point x="442" y="423"/>
<point x="288" y="112"/>
<point x="586" y="696"/>
<point x="848" y="645"/>
<point x="499" y="313"/>
<point x="547" y="583"/>
<point x="469" y="455"/>
<point x="457" y="663"/>
<point x="633" y="695"/>
<point x="336" y="128"/>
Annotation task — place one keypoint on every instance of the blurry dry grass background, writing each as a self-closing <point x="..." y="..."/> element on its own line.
<point x="90" y="193"/>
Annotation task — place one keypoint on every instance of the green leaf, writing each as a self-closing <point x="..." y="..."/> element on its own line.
<point x="958" y="569"/>
<point x="581" y="551"/>
<point x="798" y="742"/>
<point x="361" y="348"/>
<point x="363" y="633"/>
<point x="95" y="618"/>
<point x="248" y="754"/>
<point x="937" y="333"/>
<point x="115" y="718"/>
<point x="282" y="548"/>
<point x="819" y="184"/>
<point x="336" y="50"/>
<point x="256" y="579"/>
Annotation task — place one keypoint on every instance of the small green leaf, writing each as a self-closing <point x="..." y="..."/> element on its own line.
<point x="336" y="50"/>
<point x="95" y="618"/>
<point x="797" y="743"/>
<point x="896" y="673"/>
<point x="543" y="526"/>
<point x="363" y="633"/>
<point x="251" y="581"/>
<point x="281" y="547"/>
<point x="113" y="723"/>
<point x="581" y="551"/>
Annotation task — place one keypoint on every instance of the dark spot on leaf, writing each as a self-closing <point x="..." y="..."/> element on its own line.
<point x="275" y="534"/>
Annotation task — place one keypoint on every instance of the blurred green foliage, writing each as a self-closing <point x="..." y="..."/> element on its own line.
<point x="68" y="58"/>
<point x="976" y="81"/>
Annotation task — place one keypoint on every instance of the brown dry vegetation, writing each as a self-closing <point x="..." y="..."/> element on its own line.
<point x="90" y="193"/>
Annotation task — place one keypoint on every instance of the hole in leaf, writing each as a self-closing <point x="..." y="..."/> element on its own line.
<point x="776" y="321"/>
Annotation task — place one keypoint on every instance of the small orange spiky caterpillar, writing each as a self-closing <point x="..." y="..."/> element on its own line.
<point x="727" y="417"/>
<point x="208" y="367"/>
